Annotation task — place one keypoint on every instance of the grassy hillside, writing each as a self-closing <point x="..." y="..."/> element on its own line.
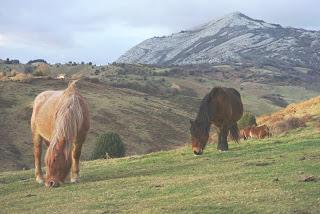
<point x="308" y="110"/>
<point x="145" y="123"/>
<point x="149" y="107"/>
<point x="265" y="176"/>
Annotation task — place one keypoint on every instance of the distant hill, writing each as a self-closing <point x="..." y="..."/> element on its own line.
<point x="235" y="38"/>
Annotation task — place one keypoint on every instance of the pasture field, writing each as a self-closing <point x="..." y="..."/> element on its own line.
<point x="255" y="176"/>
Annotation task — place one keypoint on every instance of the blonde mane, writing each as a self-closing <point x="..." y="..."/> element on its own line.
<point x="68" y="119"/>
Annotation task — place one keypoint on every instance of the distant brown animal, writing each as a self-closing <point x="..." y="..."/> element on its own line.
<point x="221" y="107"/>
<point x="245" y="133"/>
<point x="260" y="132"/>
<point x="60" y="119"/>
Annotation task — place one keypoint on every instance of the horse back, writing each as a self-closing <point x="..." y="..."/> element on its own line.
<point x="260" y="131"/>
<point x="226" y="102"/>
<point x="43" y="113"/>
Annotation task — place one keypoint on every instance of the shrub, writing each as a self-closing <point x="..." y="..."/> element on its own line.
<point x="294" y="123"/>
<point x="29" y="69"/>
<point x="306" y="118"/>
<point x="38" y="73"/>
<point x="288" y="124"/>
<point x="108" y="144"/>
<point x="247" y="120"/>
<point x="37" y="60"/>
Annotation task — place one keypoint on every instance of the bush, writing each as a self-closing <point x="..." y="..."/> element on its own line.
<point x="110" y="145"/>
<point x="247" y="120"/>
<point x="288" y="124"/>
<point x="29" y="69"/>
<point x="294" y="123"/>
<point x="37" y="61"/>
<point x="38" y="73"/>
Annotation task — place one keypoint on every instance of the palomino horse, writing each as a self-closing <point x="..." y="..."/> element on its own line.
<point x="61" y="120"/>
<point x="222" y="107"/>
<point x="260" y="132"/>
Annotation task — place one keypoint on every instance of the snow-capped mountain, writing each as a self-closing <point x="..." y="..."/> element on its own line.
<point x="233" y="38"/>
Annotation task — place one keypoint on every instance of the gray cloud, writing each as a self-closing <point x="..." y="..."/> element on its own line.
<point x="100" y="31"/>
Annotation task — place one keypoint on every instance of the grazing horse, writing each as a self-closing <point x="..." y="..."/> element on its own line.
<point x="223" y="108"/>
<point x="260" y="132"/>
<point x="60" y="119"/>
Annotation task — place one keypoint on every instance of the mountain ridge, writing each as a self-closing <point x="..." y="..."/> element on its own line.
<point x="235" y="38"/>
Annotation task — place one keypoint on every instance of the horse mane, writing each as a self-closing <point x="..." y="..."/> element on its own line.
<point x="68" y="119"/>
<point x="203" y="119"/>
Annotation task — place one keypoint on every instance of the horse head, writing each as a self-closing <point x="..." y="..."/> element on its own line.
<point x="199" y="137"/>
<point x="58" y="165"/>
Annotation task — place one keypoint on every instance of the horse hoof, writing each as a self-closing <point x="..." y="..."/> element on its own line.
<point x="39" y="180"/>
<point x="74" y="180"/>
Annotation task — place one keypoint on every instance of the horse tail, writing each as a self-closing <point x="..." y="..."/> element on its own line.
<point x="234" y="131"/>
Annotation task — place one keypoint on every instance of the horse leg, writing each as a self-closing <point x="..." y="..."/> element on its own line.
<point x="223" y="144"/>
<point x="37" y="149"/>
<point x="76" y="152"/>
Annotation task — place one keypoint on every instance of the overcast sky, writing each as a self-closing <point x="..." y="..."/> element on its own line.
<point x="101" y="30"/>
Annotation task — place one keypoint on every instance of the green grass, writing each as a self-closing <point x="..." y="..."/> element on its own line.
<point x="239" y="181"/>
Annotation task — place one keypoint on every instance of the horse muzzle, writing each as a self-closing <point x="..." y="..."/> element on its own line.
<point x="52" y="184"/>
<point x="198" y="152"/>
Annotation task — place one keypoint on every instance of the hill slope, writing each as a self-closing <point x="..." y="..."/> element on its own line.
<point x="148" y="106"/>
<point x="253" y="177"/>
<point x="145" y="123"/>
<point x="233" y="38"/>
<point x="309" y="109"/>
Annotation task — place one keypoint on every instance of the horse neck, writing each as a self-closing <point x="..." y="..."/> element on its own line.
<point x="204" y="124"/>
<point x="203" y="118"/>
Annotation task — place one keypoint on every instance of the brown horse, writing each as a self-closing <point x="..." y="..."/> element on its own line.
<point x="260" y="132"/>
<point x="60" y="119"/>
<point x="245" y="133"/>
<point x="223" y="108"/>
